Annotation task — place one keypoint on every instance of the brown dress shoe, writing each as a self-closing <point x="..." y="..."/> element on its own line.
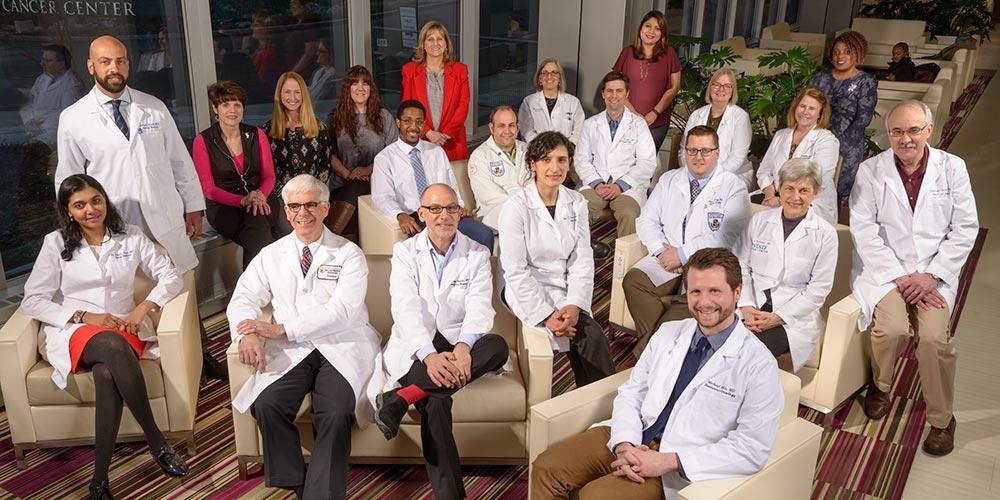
<point x="940" y="441"/>
<point x="877" y="403"/>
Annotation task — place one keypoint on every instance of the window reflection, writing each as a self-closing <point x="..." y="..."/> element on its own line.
<point x="508" y="54"/>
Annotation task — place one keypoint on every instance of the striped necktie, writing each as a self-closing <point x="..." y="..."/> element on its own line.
<point x="418" y="171"/>
<point x="307" y="260"/>
<point x="119" y="119"/>
<point x="695" y="189"/>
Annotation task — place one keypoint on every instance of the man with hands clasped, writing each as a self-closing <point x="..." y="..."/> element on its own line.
<point x="914" y="222"/>
<point x="441" y="286"/>
<point x="319" y="342"/>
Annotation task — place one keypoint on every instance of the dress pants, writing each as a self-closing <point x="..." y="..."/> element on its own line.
<point x="651" y="306"/>
<point x="333" y="405"/>
<point x="251" y="232"/>
<point x="444" y="468"/>
<point x="935" y="352"/>
<point x="625" y="208"/>
<point x="583" y="462"/>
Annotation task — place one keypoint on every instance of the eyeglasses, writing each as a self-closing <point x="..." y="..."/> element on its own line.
<point x="704" y="152"/>
<point x="309" y="205"/>
<point x="436" y="209"/>
<point x="912" y="131"/>
<point x="545" y="74"/>
<point x="410" y="121"/>
<point x="717" y="85"/>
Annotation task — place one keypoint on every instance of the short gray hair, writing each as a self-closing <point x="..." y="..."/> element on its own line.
<point x="911" y="103"/>
<point x="797" y="169"/>
<point x="305" y="183"/>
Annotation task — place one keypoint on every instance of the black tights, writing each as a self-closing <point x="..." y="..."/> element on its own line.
<point x="117" y="379"/>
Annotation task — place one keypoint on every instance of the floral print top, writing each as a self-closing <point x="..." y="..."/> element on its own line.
<point x="295" y="154"/>
<point x="853" y="102"/>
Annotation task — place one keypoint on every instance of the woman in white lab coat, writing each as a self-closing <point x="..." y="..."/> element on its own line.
<point x="788" y="256"/>
<point x="551" y="108"/>
<point x="81" y="290"/>
<point x="730" y="121"/>
<point x="806" y="137"/>
<point x="548" y="265"/>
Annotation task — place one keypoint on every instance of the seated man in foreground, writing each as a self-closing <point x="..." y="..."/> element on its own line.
<point x="722" y="383"/>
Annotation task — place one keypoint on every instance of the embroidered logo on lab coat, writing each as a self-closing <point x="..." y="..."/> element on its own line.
<point x="497" y="168"/>
<point x="715" y="220"/>
<point x="326" y="272"/>
<point x="721" y="389"/>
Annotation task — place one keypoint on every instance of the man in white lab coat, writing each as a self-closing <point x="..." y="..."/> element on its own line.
<point x="914" y="222"/>
<point x="690" y="208"/>
<point x="497" y="167"/>
<point x="318" y="342"/>
<point x="702" y="403"/>
<point x="442" y="308"/>
<point x="615" y="157"/>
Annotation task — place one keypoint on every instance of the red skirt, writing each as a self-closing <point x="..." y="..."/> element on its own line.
<point x="82" y="335"/>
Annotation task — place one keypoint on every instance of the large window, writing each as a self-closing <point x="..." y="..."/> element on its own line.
<point x="255" y="41"/>
<point x="508" y="53"/>
<point x="395" y="27"/>
<point x="714" y="22"/>
<point x="43" y="70"/>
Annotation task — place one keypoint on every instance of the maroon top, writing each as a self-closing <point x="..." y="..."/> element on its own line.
<point x="648" y="81"/>
<point x="912" y="182"/>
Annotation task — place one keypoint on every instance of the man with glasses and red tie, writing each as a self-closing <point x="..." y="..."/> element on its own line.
<point x="319" y="342"/>
<point x="690" y="208"/>
<point x="405" y="168"/>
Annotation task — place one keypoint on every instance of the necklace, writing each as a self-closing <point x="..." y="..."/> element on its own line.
<point x="643" y="69"/>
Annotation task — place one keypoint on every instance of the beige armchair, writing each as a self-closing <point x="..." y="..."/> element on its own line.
<point x="41" y="415"/>
<point x="780" y="36"/>
<point x="490" y="415"/>
<point x="379" y="233"/>
<point x="788" y="474"/>
<point x="746" y="58"/>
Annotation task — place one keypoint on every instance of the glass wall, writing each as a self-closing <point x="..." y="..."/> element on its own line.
<point x="255" y="41"/>
<point x="714" y="23"/>
<point x="43" y="70"/>
<point x="508" y="54"/>
<point x="792" y="11"/>
<point x="395" y="27"/>
<point x="743" y="26"/>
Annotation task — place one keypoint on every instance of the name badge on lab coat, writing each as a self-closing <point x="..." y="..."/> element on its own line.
<point x="760" y="246"/>
<point x="328" y="273"/>
<point x="460" y="283"/>
<point x="123" y="254"/>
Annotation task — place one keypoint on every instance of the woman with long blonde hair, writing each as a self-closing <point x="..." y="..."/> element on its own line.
<point x="299" y="142"/>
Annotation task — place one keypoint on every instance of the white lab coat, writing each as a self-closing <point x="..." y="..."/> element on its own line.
<point x="716" y="219"/>
<point x="547" y="263"/>
<point x="316" y="311"/>
<point x="820" y="146"/>
<point x="494" y="177"/>
<point x="149" y="176"/>
<point x="394" y="187"/>
<point x="630" y="157"/>
<point x="56" y="289"/>
<point x="460" y="304"/>
<point x="47" y="98"/>
<point x="735" y="133"/>
<point x="891" y="240"/>
<point x="798" y="271"/>
<point x="723" y="424"/>
<point x="566" y="118"/>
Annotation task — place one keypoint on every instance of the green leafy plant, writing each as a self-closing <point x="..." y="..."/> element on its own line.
<point x="943" y="17"/>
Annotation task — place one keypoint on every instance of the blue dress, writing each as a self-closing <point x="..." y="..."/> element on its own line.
<point x="853" y="102"/>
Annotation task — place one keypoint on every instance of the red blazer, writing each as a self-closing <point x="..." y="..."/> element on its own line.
<point x="454" y="109"/>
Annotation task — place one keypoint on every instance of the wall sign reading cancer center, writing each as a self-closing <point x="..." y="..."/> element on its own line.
<point x="68" y="7"/>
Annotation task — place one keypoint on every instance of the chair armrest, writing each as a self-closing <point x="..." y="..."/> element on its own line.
<point x="571" y="413"/>
<point x="377" y="232"/>
<point x="18" y="353"/>
<point x="628" y="251"/>
<point x="791" y="387"/>
<point x="534" y="358"/>
<point x="843" y="367"/>
<point x="179" y="336"/>
<point x="774" y="43"/>
<point x="244" y="426"/>
<point x="818" y="39"/>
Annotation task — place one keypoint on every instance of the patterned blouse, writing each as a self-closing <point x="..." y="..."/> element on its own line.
<point x="853" y="102"/>
<point x="296" y="155"/>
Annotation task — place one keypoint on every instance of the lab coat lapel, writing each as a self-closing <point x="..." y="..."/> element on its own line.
<point x="673" y="358"/>
<point x="719" y="362"/>
<point x="934" y="161"/>
<point x="776" y="257"/>
<point x="624" y="122"/>
<point x="891" y="178"/>
<point x="103" y="113"/>
<point x="137" y="114"/>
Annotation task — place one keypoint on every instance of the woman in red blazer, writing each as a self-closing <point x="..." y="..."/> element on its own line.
<point x="433" y="72"/>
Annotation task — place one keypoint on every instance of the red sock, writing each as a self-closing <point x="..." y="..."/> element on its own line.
<point x="411" y="393"/>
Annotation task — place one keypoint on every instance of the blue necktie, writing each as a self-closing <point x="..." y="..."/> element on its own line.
<point x="119" y="119"/>
<point x="418" y="171"/>
<point x="688" y="370"/>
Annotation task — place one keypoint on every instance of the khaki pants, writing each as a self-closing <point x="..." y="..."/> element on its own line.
<point x="625" y="208"/>
<point x="651" y="306"/>
<point x="584" y="462"/>
<point x="935" y="352"/>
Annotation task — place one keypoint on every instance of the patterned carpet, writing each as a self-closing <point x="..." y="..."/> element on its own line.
<point x="859" y="459"/>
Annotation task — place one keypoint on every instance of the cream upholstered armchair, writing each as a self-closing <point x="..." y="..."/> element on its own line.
<point x="746" y="58"/>
<point x="41" y="415"/>
<point x="490" y="416"/>
<point x="838" y="368"/>
<point x="788" y="474"/>
<point x="780" y="36"/>
<point x="379" y="233"/>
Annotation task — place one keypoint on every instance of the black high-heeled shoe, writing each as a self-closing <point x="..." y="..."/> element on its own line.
<point x="101" y="491"/>
<point x="172" y="464"/>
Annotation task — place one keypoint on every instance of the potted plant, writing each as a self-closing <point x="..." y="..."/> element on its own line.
<point x="949" y="21"/>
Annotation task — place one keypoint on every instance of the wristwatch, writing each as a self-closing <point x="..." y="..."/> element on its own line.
<point x="78" y="317"/>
